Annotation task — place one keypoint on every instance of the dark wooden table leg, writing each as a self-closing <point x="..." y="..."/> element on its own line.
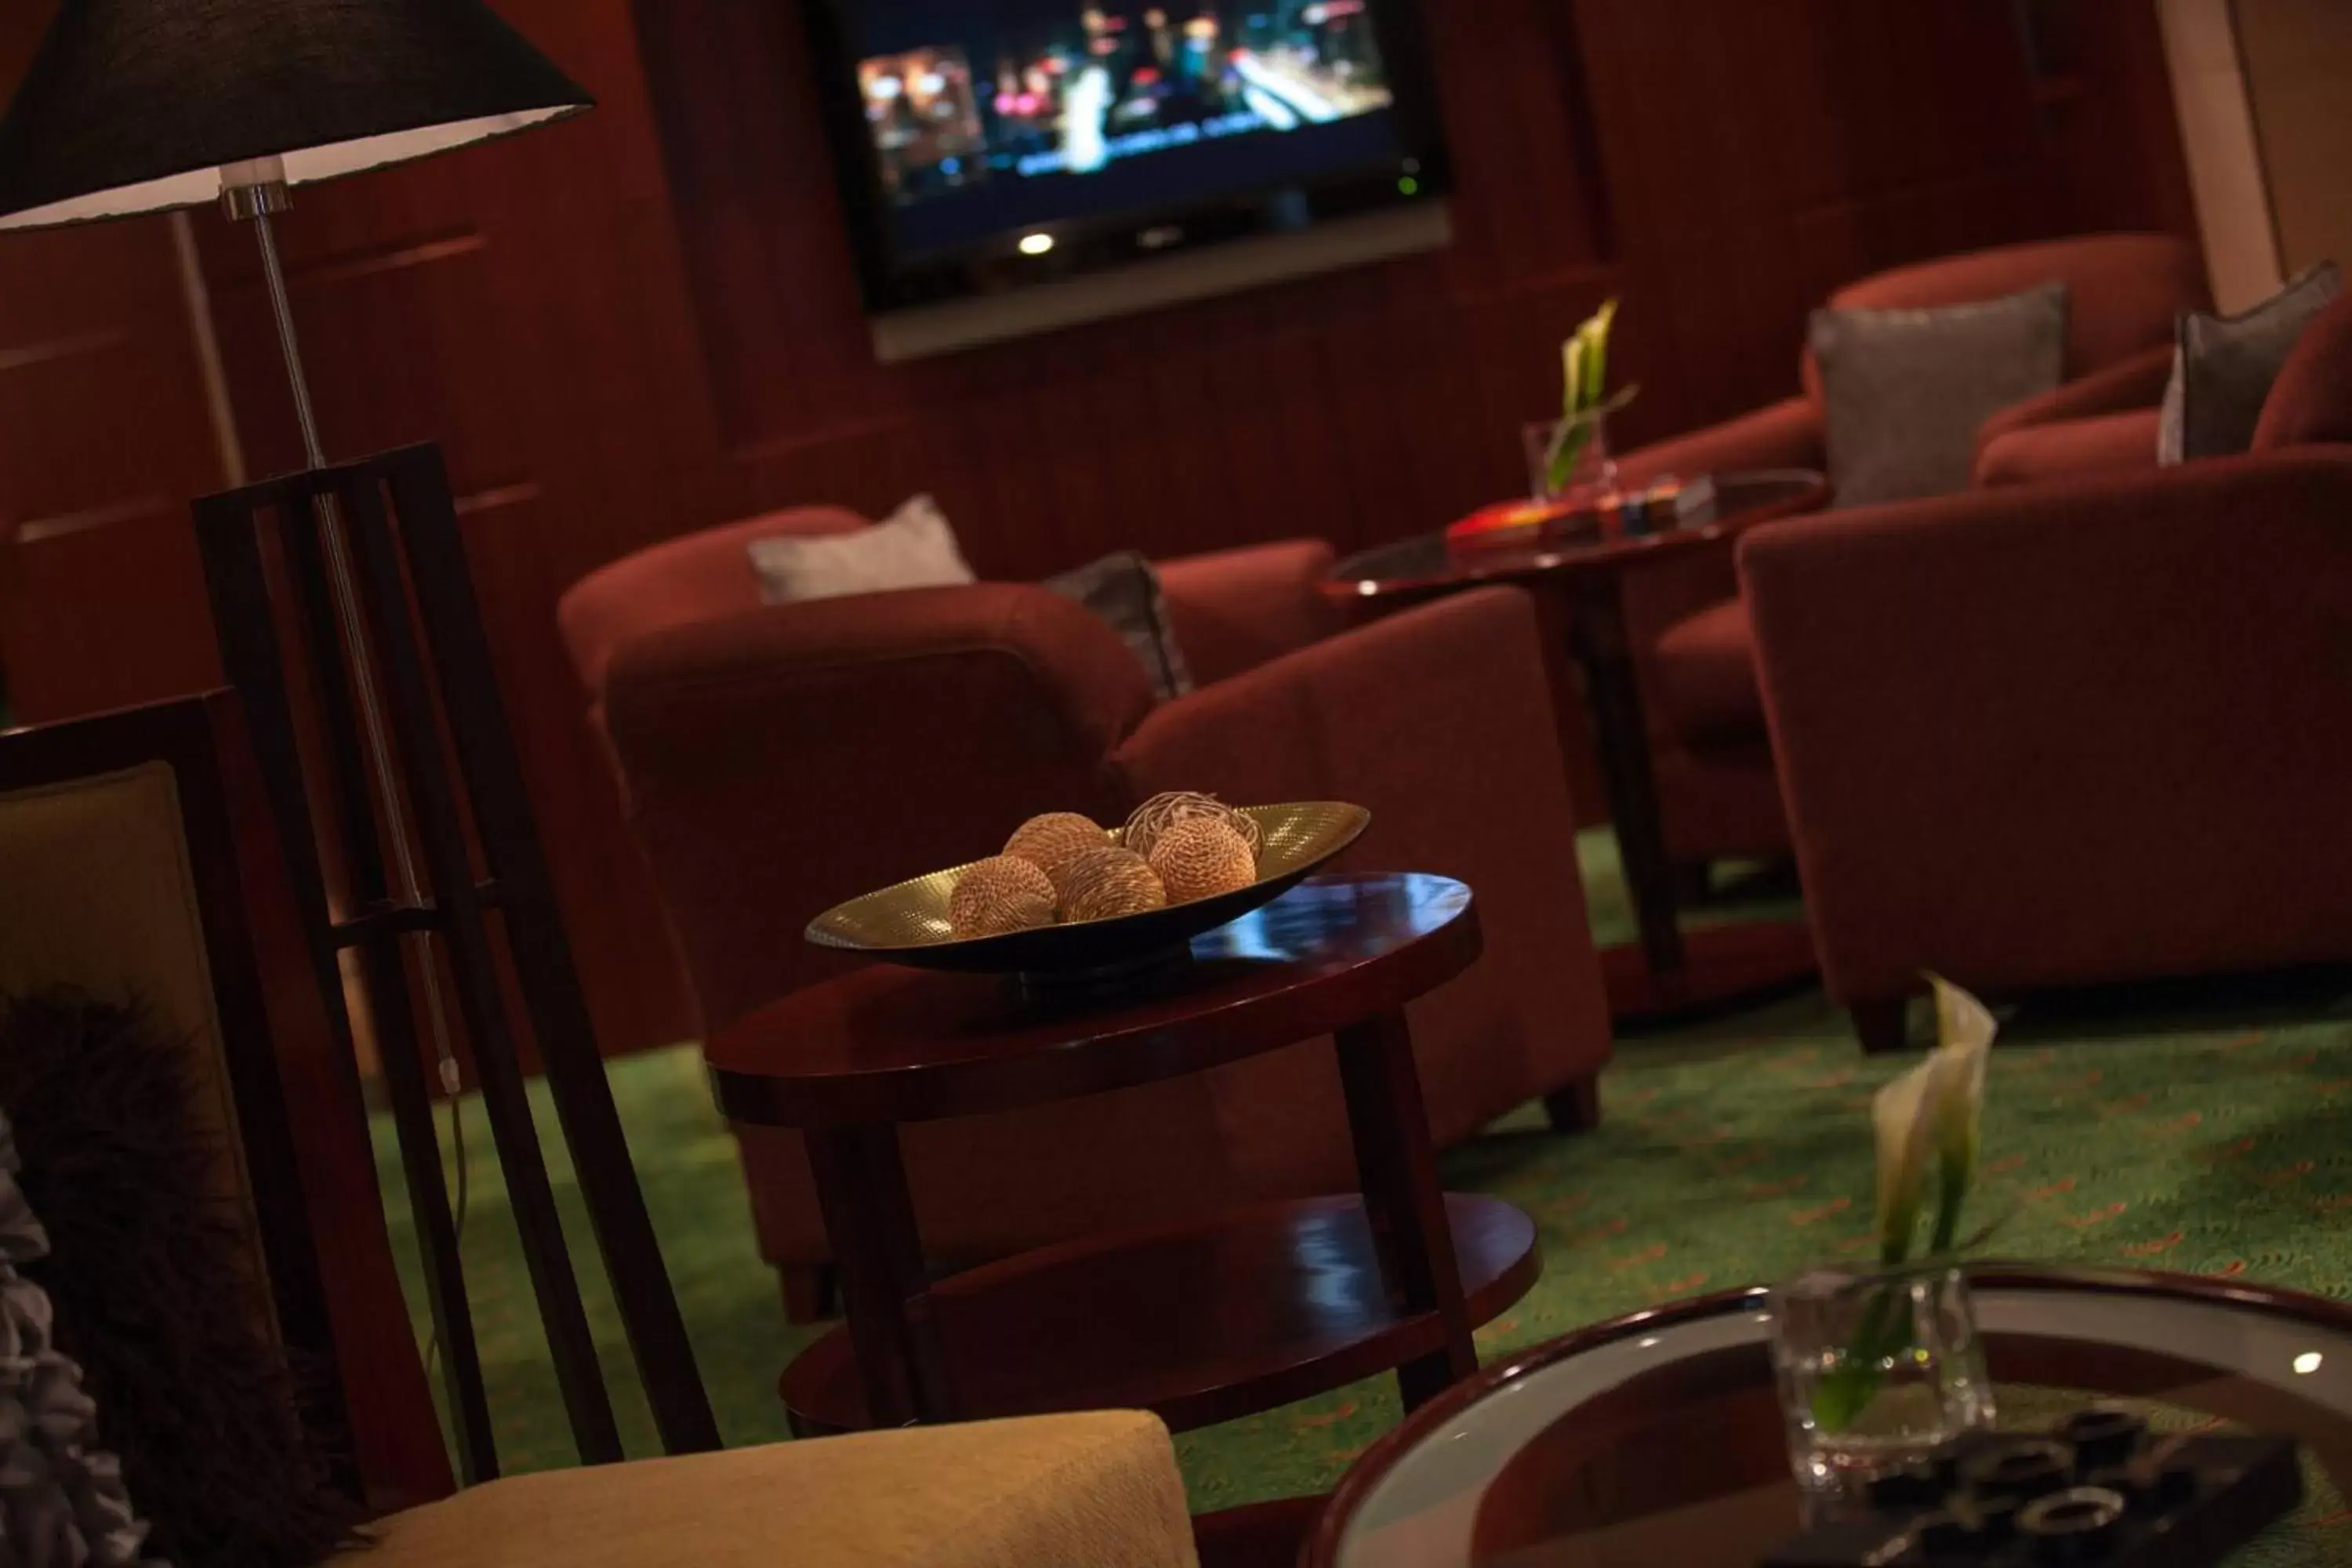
<point x="1597" y="638"/>
<point x="1406" y="1206"/>
<point x="869" y="1218"/>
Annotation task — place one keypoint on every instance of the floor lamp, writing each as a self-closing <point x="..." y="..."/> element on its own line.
<point x="141" y="106"/>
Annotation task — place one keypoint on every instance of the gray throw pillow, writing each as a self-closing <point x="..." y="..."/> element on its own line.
<point x="1904" y="393"/>
<point x="2223" y="366"/>
<point x="1125" y="592"/>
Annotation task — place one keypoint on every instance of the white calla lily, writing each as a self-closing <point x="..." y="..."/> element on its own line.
<point x="1926" y="1121"/>
<point x="1964" y="1033"/>
<point x="1901" y="1116"/>
<point x="1929" y="1119"/>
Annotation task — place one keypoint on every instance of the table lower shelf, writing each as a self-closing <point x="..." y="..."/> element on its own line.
<point x="1200" y="1322"/>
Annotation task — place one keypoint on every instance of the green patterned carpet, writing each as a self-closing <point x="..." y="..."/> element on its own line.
<point x="2208" y="1138"/>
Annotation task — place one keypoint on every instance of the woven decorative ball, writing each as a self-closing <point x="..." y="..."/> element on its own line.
<point x="1162" y="811"/>
<point x="999" y="897"/>
<point x="1050" y="841"/>
<point x="1105" y="883"/>
<point x="1203" y="857"/>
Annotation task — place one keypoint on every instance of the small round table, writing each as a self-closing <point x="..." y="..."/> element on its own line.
<point x="1304" y="1296"/>
<point x="1659" y="1438"/>
<point x="1675" y="971"/>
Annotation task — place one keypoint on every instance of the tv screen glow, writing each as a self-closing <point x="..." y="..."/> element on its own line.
<point x="988" y="128"/>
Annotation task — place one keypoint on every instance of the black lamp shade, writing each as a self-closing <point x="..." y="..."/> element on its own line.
<point x="135" y="106"/>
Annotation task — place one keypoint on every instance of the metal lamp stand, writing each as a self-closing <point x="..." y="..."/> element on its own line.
<point x="371" y="551"/>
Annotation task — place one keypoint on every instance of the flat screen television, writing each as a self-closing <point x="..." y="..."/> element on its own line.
<point x="993" y="145"/>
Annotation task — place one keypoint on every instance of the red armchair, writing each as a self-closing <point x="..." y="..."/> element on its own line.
<point x="2090" y="730"/>
<point x="776" y="759"/>
<point x="1714" y="765"/>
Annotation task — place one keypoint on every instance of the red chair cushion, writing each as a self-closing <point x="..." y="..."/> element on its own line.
<point x="2311" y="402"/>
<point x="1707" y="678"/>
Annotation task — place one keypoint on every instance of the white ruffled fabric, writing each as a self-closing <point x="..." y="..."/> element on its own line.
<point x="62" y="1500"/>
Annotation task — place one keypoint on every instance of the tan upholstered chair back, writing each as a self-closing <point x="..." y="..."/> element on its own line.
<point x="137" y="863"/>
<point x="97" y="892"/>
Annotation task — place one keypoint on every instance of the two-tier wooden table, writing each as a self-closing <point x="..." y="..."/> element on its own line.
<point x="1200" y="1321"/>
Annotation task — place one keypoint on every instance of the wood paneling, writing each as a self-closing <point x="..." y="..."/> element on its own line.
<point x="645" y="321"/>
<point x="2106" y="102"/>
<point x="102" y="437"/>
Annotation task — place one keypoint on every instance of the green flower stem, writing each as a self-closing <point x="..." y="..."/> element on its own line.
<point x="1947" y="1218"/>
<point x="1575" y="435"/>
<point x="1848" y="1390"/>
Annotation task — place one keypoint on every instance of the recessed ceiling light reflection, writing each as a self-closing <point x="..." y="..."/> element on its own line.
<point x="2308" y="1362"/>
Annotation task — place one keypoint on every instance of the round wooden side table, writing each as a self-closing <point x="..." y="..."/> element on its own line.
<point x="1216" y="1317"/>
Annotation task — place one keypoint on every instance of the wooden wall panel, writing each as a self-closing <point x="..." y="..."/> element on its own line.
<point x="2107" y="114"/>
<point x="103" y="435"/>
<point x="646" y="322"/>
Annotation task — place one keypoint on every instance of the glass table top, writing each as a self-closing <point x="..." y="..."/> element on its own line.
<point x="1428" y="561"/>
<point x="1659" y="1440"/>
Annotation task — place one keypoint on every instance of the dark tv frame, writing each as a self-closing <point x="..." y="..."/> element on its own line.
<point x="1087" y="246"/>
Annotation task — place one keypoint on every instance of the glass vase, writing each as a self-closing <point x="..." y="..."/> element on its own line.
<point x="1877" y="1370"/>
<point x="1591" y="474"/>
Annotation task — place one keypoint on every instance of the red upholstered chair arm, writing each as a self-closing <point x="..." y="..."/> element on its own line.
<point x="2136" y="383"/>
<point x="1238" y="609"/>
<point x="2073" y="448"/>
<point x="780" y="761"/>
<point x="2046" y="735"/>
<point x="1439" y="719"/>
<point x="1786" y="435"/>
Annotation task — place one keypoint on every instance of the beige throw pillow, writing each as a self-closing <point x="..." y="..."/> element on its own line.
<point x="912" y="547"/>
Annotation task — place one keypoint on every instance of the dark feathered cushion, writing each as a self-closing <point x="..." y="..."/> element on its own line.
<point x="151" y="1282"/>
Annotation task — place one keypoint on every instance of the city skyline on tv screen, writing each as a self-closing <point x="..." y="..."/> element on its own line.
<point x="991" y="114"/>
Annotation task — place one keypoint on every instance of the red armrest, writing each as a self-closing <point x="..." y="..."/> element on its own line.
<point x="2083" y="731"/>
<point x="2134" y="382"/>
<point x="1786" y="435"/>
<point x="2107" y="444"/>
<point x="1238" y="609"/>
<point x="1439" y="719"/>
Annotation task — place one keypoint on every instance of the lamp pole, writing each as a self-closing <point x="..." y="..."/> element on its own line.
<point x="255" y="193"/>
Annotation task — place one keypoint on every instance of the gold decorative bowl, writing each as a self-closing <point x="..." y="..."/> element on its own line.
<point x="908" y="923"/>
